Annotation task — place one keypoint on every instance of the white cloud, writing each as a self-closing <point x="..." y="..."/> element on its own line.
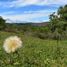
<point x="28" y="16"/>
<point x="28" y="12"/>
<point x="21" y="3"/>
<point x="38" y="2"/>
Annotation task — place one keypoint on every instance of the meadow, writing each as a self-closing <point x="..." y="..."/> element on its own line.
<point x="34" y="53"/>
<point x="44" y="44"/>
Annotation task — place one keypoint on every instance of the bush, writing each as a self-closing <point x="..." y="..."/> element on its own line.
<point x="41" y="35"/>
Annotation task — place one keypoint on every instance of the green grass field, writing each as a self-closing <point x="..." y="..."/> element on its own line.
<point x="34" y="53"/>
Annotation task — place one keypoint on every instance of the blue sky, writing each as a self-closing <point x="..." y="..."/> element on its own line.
<point x="29" y="10"/>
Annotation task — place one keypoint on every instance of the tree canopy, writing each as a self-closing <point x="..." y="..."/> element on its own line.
<point x="2" y="23"/>
<point x="58" y="21"/>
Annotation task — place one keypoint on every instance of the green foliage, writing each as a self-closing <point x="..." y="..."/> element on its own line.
<point x="58" y="22"/>
<point x="34" y="53"/>
<point x="62" y="11"/>
<point x="2" y="23"/>
<point x="53" y="22"/>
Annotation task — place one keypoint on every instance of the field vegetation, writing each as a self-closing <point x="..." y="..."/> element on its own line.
<point x="43" y="46"/>
<point x="35" y="52"/>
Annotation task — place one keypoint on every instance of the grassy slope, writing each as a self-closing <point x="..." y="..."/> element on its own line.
<point x="34" y="53"/>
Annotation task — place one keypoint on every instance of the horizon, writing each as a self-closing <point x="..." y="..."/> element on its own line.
<point x="29" y="10"/>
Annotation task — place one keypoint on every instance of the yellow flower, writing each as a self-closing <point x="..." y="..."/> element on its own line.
<point x="12" y="43"/>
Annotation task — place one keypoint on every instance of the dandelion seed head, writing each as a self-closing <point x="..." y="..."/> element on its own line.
<point x="12" y="43"/>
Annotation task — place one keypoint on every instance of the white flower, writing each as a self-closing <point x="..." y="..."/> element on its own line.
<point x="12" y="43"/>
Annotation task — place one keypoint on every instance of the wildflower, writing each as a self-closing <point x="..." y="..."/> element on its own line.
<point x="11" y="44"/>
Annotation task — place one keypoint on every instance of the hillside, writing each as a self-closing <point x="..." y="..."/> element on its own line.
<point x="31" y="23"/>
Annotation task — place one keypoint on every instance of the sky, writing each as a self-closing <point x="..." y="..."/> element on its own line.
<point x="29" y="10"/>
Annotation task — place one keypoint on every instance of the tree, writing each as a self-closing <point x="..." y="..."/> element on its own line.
<point x="2" y="23"/>
<point x="62" y="11"/>
<point x="54" y="20"/>
<point x="58" y="21"/>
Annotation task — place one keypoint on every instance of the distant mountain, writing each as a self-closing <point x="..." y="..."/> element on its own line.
<point x="26" y="23"/>
<point x="40" y="24"/>
<point x="31" y="24"/>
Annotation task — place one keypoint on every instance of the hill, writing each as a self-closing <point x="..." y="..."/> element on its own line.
<point x="30" y="23"/>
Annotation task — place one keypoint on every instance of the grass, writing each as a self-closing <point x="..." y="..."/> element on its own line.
<point x="34" y="53"/>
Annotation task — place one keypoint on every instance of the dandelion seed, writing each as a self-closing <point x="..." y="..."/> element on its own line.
<point x="11" y="44"/>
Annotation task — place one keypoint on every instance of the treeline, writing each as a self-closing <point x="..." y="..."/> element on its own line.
<point x="55" y="29"/>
